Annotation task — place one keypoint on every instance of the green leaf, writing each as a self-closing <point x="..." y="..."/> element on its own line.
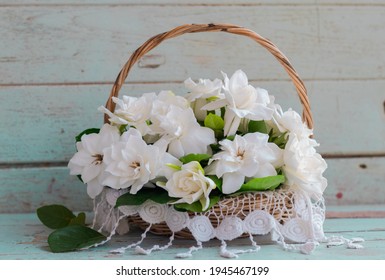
<point x="161" y="197"/>
<point x="157" y="195"/>
<point x="214" y="122"/>
<point x="174" y="166"/>
<point x="194" y="157"/>
<point x="73" y="237"/>
<point x="212" y="98"/>
<point x="257" y="126"/>
<point x="263" y="184"/>
<point x="131" y="199"/>
<point x="215" y="148"/>
<point x="231" y="137"/>
<point x="281" y="140"/>
<point x="55" y="216"/>
<point x="123" y="128"/>
<point x="196" y="206"/>
<point x="87" y="131"/>
<point x="216" y="180"/>
<point x="79" y="220"/>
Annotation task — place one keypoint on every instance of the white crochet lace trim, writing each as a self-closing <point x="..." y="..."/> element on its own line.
<point x="295" y="219"/>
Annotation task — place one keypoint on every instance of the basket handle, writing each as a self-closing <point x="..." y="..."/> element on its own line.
<point x="229" y="28"/>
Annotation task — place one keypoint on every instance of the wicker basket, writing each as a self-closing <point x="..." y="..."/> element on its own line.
<point x="282" y="211"/>
<point x="274" y="206"/>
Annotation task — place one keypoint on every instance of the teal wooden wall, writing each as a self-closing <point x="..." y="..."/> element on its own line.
<point x="59" y="58"/>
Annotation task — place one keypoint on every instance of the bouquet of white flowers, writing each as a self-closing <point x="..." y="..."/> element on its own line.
<point x="224" y="138"/>
<point x="222" y="161"/>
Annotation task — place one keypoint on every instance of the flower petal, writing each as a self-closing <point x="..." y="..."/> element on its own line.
<point x="232" y="122"/>
<point x="90" y="172"/>
<point x="232" y="182"/>
<point x="94" y="188"/>
<point x="219" y="103"/>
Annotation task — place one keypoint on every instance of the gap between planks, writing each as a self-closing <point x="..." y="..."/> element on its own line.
<point x="90" y="83"/>
<point x="202" y="4"/>
<point x="354" y="214"/>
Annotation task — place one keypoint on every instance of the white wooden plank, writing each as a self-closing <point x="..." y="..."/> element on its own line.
<point x="25" y="189"/>
<point x="85" y="44"/>
<point x="191" y="2"/>
<point x="356" y="211"/>
<point x="355" y="181"/>
<point x="39" y="123"/>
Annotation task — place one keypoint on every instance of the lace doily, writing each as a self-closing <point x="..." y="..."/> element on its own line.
<point x="288" y="216"/>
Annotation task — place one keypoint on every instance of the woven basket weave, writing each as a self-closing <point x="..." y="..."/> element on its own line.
<point x="154" y="41"/>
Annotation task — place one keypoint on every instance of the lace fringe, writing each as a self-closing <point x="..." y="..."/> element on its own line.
<point x="250" y="214"/>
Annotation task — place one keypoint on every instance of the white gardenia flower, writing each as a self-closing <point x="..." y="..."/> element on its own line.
<point x="205" y="88"/>
<point x="245" y="157"/>
<point x="131" y="163"/>
<point x="88" y="162"/>
<point x="163" y="104"/>
<point x="303" y="166"/>
<point x="289" y="121"/>
<point x="183" y="134"/>
<point x="190" y="185"/>
<point x="200" y="93"/>
<point x="132" y="111"/>
<point x="242" y="101"/>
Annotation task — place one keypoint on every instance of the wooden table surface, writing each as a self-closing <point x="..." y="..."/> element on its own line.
<point x="24" y="237"/>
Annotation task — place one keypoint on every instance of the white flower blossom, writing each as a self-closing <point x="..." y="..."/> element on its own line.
<point x="183" y="134"/>
<point x="88" y="161"/>
<point x="244" y="157"/>
<point x="289" y="121"/>
<point x="190" y="185"/>
<point x="132" y="111"/>
<point x="205" y="88"/>
<point x="242" y="101"/>
<point x="131" y="163"/>
<point x="163" y="104"/>
<point x="201" y="92"/>
<point x="303" y="166"/>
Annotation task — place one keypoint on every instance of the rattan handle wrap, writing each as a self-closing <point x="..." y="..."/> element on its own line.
<point x="195" y="28"/>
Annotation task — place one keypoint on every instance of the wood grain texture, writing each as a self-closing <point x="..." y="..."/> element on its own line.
<point x="355" y="181"/>
<point x="82" y="44"/>
<point x="23" y="237"/>
<point x="25" y="189"/>
<point x="192" y="2"/>
<point x="42" y="121"/>
<point x="356" y="211"/>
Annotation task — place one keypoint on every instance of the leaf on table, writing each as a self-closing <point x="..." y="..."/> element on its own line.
<point x="73" y="237"/>
<point x="55" y="216"/>
<point x="80" y="219"/>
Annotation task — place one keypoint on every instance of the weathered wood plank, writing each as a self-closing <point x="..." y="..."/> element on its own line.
<point x="83" y="44"/>
<point x="25" y="189"/>
<point x="354" y="211"/>
<point x="23" y="237"/>
<point x="191" y="2"/>
<point x="39" y="123"/>
<point x="355" y="181"/>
